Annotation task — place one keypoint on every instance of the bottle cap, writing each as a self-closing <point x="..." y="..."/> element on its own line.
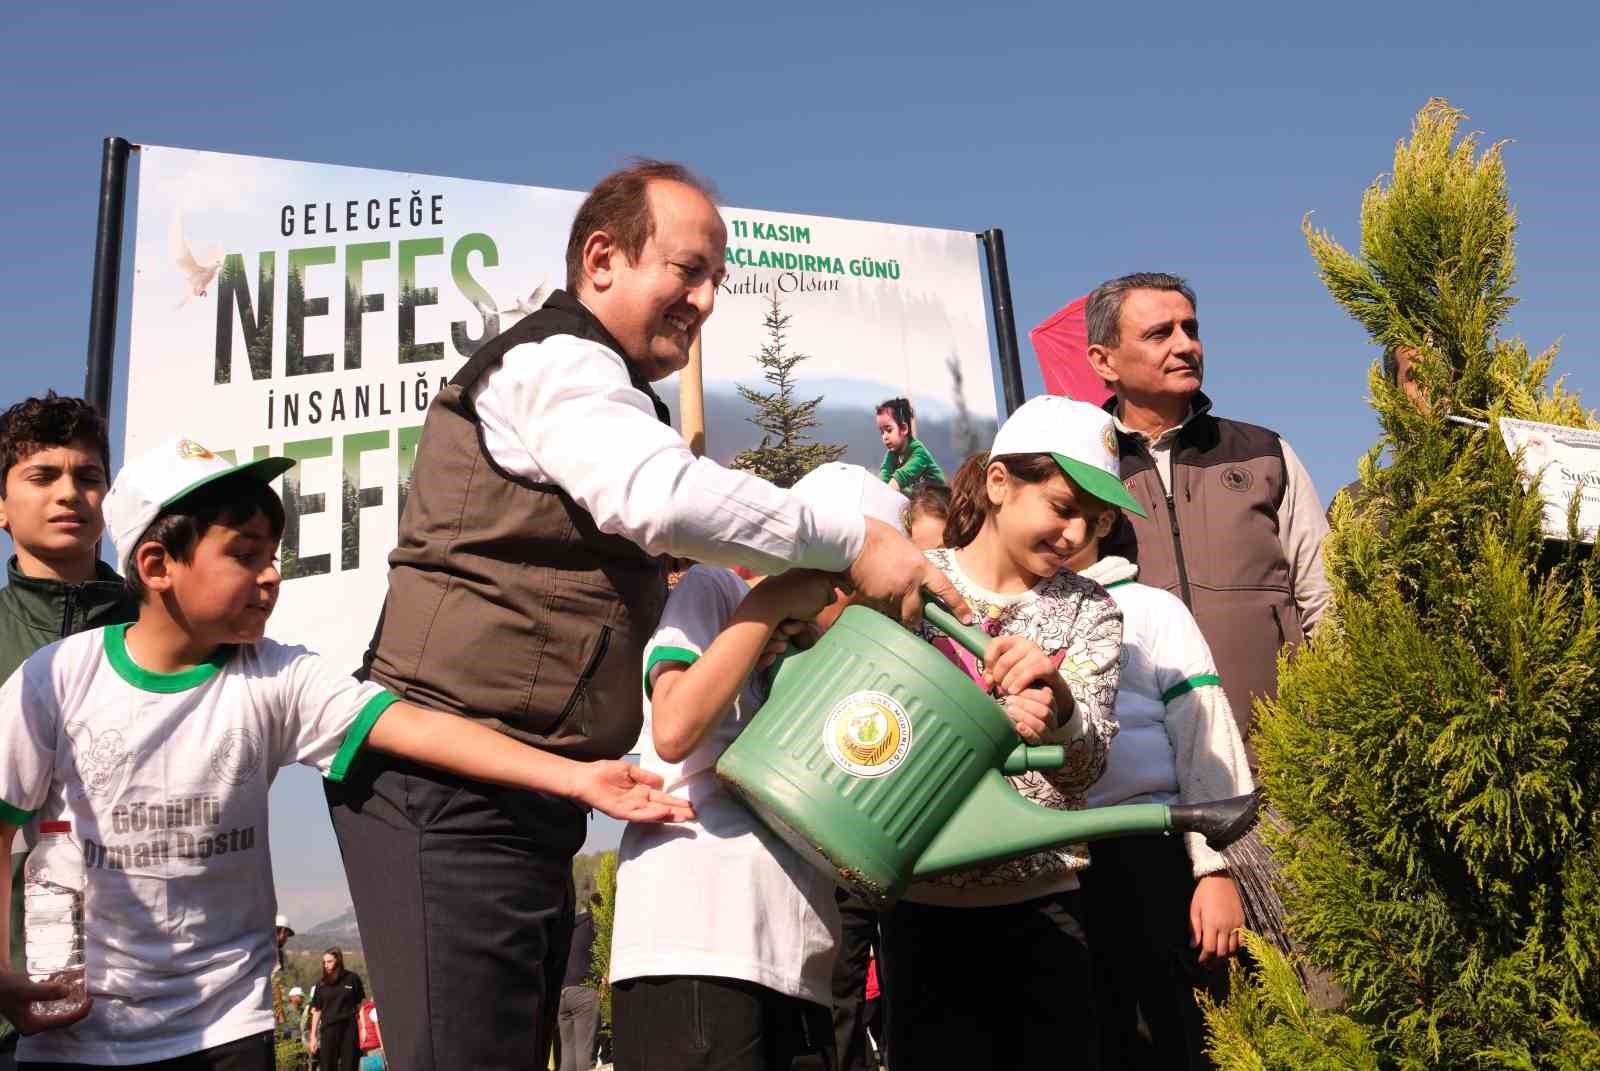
<point x="55" y="827"/>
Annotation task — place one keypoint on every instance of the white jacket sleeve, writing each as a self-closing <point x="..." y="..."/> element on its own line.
<point x="1302" y="528"/>
<point x="564" y="412"/>
<point x="1210" y="757"/>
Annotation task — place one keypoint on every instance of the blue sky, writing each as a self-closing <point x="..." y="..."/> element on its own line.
<point x="1188" y="138"/>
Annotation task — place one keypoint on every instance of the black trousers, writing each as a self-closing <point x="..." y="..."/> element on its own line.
<point x="857" y="941"/>
<point x="253" y="1053"/>
<point x="1136" y="912"/>
<point x="987" y="987"/>
<point x="463" y="892"/>
<point x="338" y="1047"/>
<point x="682" y="1023"/>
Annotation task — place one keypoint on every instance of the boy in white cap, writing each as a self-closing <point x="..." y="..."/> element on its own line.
<point x="158" y="741"/>
<point x="724" y="938"/>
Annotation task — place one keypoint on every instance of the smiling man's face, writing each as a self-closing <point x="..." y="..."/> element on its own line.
<point x="656" y="304"/>
<point x="1158" y="354"/>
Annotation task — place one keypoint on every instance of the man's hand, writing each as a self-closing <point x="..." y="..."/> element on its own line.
<point x="890" y="573"/>
<point x="624" y="791"/>
<point x="17" y="996"/>
<point x="1215" y="915"/>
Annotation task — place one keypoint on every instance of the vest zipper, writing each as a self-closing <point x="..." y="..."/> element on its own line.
<point x="66" y="613"/>
<point x="1177" y="552"/>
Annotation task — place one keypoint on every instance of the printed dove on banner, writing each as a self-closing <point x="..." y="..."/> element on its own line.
<point x="197" y="271"/>
<point x="529" y="305"/>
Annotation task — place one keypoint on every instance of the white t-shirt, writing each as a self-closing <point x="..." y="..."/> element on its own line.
<point x="720" y="896"/>
<point x="164" y="778"/>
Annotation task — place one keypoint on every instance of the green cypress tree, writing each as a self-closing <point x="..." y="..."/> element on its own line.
<point x="786" y="452"/>
<point x="1436" y="748"/>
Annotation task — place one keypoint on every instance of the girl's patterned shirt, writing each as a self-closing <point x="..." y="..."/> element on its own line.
<point x="1077" y="624"/>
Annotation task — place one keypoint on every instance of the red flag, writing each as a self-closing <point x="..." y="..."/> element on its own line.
<point x="1062" y="345"/>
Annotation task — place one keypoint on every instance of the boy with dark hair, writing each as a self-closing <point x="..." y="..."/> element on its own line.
<point x="158" y="740"/>
<point x="54" y="466"/>
<point x="54" y="469"/>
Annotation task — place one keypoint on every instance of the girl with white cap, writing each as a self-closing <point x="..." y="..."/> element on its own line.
<point x="988" y="968"/>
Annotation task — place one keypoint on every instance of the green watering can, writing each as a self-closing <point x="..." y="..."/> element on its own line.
<point x="881" y="762"/>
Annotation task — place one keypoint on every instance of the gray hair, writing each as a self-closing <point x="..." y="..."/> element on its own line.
<point x="1102" y="313"/>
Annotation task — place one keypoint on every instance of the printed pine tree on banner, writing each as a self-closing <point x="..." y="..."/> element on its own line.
<point x="786" y="452"/>
<point x="1436" y="748"/>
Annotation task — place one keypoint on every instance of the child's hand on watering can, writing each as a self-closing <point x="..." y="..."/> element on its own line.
<point x="1032" y="712"/>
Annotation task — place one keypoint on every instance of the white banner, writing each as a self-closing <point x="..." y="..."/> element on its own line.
<point x="1566" y="461"/>
<point x="314" y="310"/>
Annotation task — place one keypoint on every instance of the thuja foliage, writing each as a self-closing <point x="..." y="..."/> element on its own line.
<point x="787" y="451"/>
<point x="1436" y="747"/>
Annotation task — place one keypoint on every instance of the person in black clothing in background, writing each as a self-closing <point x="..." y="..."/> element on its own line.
<point x="579" y="1016"/>
<point x="333" y="1015"/>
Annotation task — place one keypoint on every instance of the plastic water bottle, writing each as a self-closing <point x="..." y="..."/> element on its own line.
<point x="52" y="898"/>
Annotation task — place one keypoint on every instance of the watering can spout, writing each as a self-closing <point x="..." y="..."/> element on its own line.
<point x="995" y="823"/>
<point x="1220" y="822"/>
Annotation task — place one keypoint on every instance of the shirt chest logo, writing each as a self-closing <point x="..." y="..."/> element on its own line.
<point x="100" y="759"/>
<point x="236" y="757"/>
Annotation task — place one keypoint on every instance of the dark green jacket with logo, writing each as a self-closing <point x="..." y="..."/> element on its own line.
<point x="33" y="614"/>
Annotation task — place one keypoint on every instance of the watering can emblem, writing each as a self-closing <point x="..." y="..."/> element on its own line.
<point x="882" y="763"/>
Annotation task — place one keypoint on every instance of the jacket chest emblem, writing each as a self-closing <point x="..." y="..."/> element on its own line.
<point x="1237" y="479"/>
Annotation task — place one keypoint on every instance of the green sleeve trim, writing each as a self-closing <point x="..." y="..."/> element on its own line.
<point x="1184" y="687"/>
<point x="1119" y="583"/>
<point x="356" y="736"/>
<point x="14" y="816"/>
<point x="666" y="654"/>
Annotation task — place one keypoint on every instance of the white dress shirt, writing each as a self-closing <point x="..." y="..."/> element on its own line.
<point x="563" y="411"/>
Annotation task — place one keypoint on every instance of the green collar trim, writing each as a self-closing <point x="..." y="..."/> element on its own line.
<point x="1119" y="583"/>
<point x="116" y="640"/>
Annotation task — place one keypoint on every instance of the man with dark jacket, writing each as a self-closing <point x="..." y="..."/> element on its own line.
<point x="1233" y="524"/>
<point x="55" y="467"/>
<point x="528" y="576"/>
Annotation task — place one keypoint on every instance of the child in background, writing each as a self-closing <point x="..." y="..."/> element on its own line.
<point x="1148" y="907"/>
<point x="55" y="464"/>
<point x="988" y="968"/>
<point x="926" y="515"/>
<point x="159" y="741"/>
<point x="907" y="462"/>
<point x="724" y="937"/>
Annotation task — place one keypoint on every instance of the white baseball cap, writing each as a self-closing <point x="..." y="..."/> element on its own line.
<point x="1082" y="439"/>
<point x="296" y="991"/>
<point x="158" y="478"/>
<point x="836" y="486"/>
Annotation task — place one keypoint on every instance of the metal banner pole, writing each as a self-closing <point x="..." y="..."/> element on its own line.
<point x="1005" y="324"/>
<point x="107" y="270"/>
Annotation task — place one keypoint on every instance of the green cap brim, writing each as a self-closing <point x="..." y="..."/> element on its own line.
<point x="1099" y="483"/>
<point x="265" y="469"/>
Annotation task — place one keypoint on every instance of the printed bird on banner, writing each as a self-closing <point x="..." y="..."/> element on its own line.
<point x="529" y="305"/>
<point x="198" y="271"/>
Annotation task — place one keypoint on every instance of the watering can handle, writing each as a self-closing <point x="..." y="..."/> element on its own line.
<point x="975" y="640"/>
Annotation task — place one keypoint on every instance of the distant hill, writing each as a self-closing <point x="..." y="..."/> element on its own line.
<point x="341" y="930"/>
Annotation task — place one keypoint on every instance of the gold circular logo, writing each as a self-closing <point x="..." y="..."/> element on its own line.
<point x="867" y="734"/>
<point x="1109" y="437"/>
<point x="190" y="450"/>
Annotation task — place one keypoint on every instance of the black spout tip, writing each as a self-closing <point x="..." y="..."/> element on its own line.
<point x="1220" y="822"/>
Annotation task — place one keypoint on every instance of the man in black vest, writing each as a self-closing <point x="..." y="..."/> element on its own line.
<point x="527" y="578"/>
